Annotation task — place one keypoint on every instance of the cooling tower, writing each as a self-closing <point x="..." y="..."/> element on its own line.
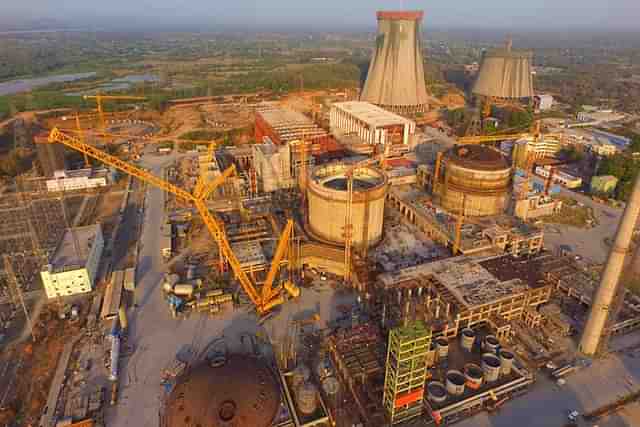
<point x="395" y="80"/>
<point x="505" y="73"/>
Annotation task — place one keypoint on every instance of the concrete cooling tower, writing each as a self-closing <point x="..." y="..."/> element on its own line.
<point x="505" y="73"/>
<point x="395" y="80"/>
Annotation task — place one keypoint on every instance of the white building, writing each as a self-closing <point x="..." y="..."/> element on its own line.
<point x="73" y="267"/>
<point x="370" y="123"/>
<point x="81" y="179"/>
<point x="543" y="102"/>
<point x="559" y="177"/>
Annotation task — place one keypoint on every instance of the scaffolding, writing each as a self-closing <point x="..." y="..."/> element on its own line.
<point x="406" y="371"/>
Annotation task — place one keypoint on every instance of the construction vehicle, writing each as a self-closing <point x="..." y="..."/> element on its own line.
<point x="99" y="98"/>
<point x="266" y="299"/>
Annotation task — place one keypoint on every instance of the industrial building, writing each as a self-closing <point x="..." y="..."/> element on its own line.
<point x="327" y="196"/>
<point x="282" y="126"/>
<point x="535" y="147"/>
<point x="603" y="184"/>
<point x="73" y="267"/>
<point x="473" y="180"/>
<point x="559" y="177"/>
<point x="372" y="124"/>
<point x="81" y="179"/>
<point x="505" y="74"/>
<point x="536" y="205"/>
<point x="272" y="164"/>
<point x="395" y="80"/>
<point x="50" y="156"/>
<point x="543" y="102"/>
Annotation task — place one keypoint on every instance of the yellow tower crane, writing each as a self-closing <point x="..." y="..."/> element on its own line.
<point x="264" y="300"/>
<point x="99" y="98"/>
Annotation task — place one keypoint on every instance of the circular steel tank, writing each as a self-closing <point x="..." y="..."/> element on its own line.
<point x="490" y="344"/>
<point x="506" y="362"/>
<point x="307" y="398"/>
<point x="473" y="374"/>
<point x="467" y="338"/>
<point x="331" y="386"/>
<point x="184" y="290"/>
<point x="436" y="392"/>
<point x="490" y="367"/>
<point x="327" y="196"/>
<point x="476" y="181"/>
<point x="301" y="375"/>
<point x="455" y="383"/>
<point x="442" y="347"/>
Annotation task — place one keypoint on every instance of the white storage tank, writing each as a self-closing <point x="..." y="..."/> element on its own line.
<point x="183" y="290"/>
<point x="491" y="344"/>
<point x="506" y="362"/>
<point x="442" y="347"/>
<point x="473" y="374"/>
<point x="436" y="392"/>
<point x="490" y="367"/>
<point x="307" y="398"/>
<point x="467" y="338"/>
<point x="455" y="383"/>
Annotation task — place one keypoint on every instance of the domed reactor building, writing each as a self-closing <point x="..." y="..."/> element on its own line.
<point x="395" y="80"/>
<point x="240" y="392"/>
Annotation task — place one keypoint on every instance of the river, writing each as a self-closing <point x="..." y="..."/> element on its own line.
<point x="24" y="85"/>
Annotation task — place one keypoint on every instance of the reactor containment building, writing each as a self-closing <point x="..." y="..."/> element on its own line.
<point x="395" y="80"/>
<point x="327" y="196"/>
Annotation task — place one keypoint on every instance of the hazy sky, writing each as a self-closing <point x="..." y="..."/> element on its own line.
<point x="557" y="14"/>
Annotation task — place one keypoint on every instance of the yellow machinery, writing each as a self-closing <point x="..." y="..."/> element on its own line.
<point x="265" y="300"/>
<point x="99" y="98"/>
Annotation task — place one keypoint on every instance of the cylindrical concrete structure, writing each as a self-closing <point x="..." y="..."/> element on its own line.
<point x="442" y="347"/>
<point x="307" y="398"/>
<point x="436" y="392"/>
<point x="490" y="344"/>
<point x="327" y="196"/>
<point x="455" y="383"/>
<point x="606" y="292"/>
<point x="395" y="80"/>
<point x="490" y="367"/>
<point x="474" y="375"/>
<point x="476" y="182"/>
<point x="506" y="362"/>
<point x="505" y="73"/>
<point x="467" y="338"/>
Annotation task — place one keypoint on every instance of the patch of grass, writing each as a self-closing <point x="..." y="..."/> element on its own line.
<point x="572" y="214"/>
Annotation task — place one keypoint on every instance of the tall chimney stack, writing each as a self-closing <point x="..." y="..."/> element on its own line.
<point x="604" y="299"/>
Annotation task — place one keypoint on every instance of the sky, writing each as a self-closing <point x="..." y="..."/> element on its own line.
<point x="329" y="14"/>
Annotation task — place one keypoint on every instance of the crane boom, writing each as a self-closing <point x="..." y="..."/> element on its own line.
<point x="99" y="98"/>
<point x="281" y="250"/>
<point x="214" y="228"/>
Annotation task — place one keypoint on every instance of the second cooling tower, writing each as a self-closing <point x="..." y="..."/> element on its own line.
<point x="395" y="80"/>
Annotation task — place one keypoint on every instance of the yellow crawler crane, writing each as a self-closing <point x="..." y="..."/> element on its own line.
<point x="266" y="299"/>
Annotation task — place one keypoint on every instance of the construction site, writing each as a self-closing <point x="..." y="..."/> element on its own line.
<point x="311" y="272"/>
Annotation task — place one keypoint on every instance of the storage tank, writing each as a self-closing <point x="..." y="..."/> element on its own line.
<point x="455" y="383"/>
<point x="331" y="386"/>
<point x="442" y="347"/>
<point x="506" y="362"/>
<point x="467" y="338"/>
<point x="436" y="392"/>
<point x="301" y="375"/>
<point x="183" y="290"/>
<point x="124" y="321"/>
<point x="115" y="354"/>
<point x="327" y="196"/>
<point x="307" y="398"/>
<point x="490" y="367"/>
<point x="476" y="181"/>
<point x="490" y="344"/>
<point x="473" y="374"/>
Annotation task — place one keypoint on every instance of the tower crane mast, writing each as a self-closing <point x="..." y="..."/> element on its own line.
<point x="263" y="303"/>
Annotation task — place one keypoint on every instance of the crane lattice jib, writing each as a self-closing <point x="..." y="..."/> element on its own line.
<point x="281" y="251"/>
<point x="210" y="222"/>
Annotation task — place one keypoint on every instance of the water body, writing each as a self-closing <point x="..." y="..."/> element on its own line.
<point x="121" y="83"/>
<point x="24" y="85"/>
